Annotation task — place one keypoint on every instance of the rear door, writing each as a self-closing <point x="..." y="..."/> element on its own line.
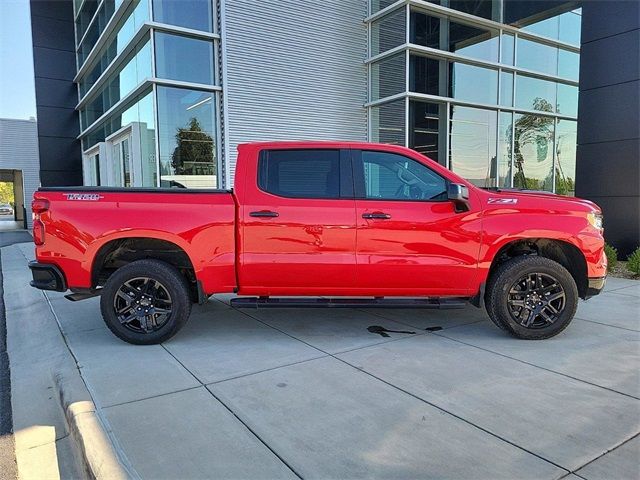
<point x="411" y="241"/>
<point x="298" y="224"/>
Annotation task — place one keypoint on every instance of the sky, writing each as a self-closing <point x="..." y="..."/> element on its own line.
<point x="17" y="91"/>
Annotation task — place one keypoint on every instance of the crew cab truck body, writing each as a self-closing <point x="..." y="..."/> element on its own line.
<point x="321" y="219"/>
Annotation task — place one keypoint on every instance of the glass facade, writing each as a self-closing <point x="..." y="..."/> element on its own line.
<point x="148" y="91"/>
<point x="487" y="88"/>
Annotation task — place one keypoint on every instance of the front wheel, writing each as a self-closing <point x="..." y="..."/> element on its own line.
<point x="145" y="302"/>
<point x="531" y="297"/>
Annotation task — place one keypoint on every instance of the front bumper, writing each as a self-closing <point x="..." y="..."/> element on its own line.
<point x="595" y="286"/>
<point x="47" y="277"/>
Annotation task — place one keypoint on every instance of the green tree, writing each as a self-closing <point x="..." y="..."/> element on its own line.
<point x="6" y="193"/>
<point x="193" y="154"/>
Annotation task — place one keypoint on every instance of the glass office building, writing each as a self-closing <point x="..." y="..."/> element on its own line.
<point x="489" y="89"/>
<point x="148" y="92"/>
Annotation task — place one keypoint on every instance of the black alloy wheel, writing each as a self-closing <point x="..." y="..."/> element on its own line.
<point x="536" y="300"/>
<point x="143" y="305"/>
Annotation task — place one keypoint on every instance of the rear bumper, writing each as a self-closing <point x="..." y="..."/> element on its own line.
<point x="595" y="286"/>
<point x="47" y="277"/>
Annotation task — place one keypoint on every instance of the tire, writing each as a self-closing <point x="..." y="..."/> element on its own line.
<point x="164" y="296"/>
<point x="522" y="298"/>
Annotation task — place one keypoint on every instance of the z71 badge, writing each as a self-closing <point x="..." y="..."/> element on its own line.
<point x="88" y="197"/>
<point x="503" y="201"/>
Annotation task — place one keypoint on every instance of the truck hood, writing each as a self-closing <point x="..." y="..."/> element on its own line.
<point x="540" y="199"/>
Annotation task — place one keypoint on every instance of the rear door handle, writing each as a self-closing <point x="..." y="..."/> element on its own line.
<point x="264" y="214"/>
<point x="376" y="216"/>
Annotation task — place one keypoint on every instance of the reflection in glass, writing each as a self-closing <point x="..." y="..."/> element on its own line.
<point x="425" y="30"/>
<point x="566" y="140"/>
<point x="473" y="42"/>
<point x="567" y="100"/>
<point x="564" y="27"/>
<point x="474" y="84"/>
<point x="424" y="74"/>
<point x="505" y="134"/>
<point x="568" y="64"/>
<point x="537" y="56"/>
<point x="533" y="152"/>
<point x="388" y="32"/>
<point x="570" y="27"/>
<point x="195" y="14"/>
<point x="486" y="8"/>
<point x="472" y="145"/>
<point x="387" y="76"/>
<point x="535" y="94"/>
<point x="388" y="123"/>
<point x="506" y="89"/>
<point x="94" y="30"/>
<point x="508" y="48"/>
<point x="187" y="138"/>
<point x="425" y="119"/>
<point x="183" y="58"/>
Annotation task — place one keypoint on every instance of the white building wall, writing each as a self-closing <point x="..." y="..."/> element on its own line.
<point x="19" y="151"/>
<point x="294" y="71"/>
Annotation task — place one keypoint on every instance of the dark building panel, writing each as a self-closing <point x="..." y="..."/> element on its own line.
<point x="604" y="18"/>
<point x="612" y="68"/>
<point x="609" y="118"/>
<point x="56" y="95"/>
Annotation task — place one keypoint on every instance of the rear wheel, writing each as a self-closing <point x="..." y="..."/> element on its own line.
<point x="531" y="297"/>
<point x="145" y="302"/>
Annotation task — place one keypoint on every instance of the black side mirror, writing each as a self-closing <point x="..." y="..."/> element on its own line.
<point x="459" y="195"/>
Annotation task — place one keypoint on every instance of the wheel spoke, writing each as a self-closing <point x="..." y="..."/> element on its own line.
<point x="125" y="320"/>
<point x="516" y="302"/>
<point x="545" y="316"/>
<point x="555" y="296"/>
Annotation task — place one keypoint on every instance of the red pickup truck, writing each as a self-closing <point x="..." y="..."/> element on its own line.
<point x="354" y="224"/>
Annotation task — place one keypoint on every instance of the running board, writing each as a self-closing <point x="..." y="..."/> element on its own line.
<point x="269" y="302"/>
<point x="83" y="295"/>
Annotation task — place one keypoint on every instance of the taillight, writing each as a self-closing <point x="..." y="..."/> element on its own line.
<point x="38" y="206"/>
<point x="38" y="232"/>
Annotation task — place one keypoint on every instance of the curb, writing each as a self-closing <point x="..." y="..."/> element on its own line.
<point x="98" y="455"/>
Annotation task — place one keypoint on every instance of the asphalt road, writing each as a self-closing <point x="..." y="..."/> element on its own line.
<point x="14" y="236"/>
<point x="7" y="443"/>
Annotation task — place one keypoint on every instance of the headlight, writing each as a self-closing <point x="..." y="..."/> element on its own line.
<point x="596" y="220"/>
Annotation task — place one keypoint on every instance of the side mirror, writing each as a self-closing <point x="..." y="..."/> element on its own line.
<point x="459" y="195"/>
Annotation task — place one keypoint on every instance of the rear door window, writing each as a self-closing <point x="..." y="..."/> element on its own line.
<point x="300" y="173"/>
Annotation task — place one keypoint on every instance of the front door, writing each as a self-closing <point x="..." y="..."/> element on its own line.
<point x="411" y="241"/>
<point x="298" y="225"/>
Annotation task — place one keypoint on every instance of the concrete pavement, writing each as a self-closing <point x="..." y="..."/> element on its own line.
<point x="314" y="394"/>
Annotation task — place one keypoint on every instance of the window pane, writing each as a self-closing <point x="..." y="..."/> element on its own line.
<point x="183" y="58"/>
<point x="535" y="94"/>
<point x="388" y="123"/>
<point x="472" y="140"/>
<point x="486" y="8"/>
<point x="566" y="157"/>
<point x="473" y="42"/>
<point x="533" y="152"/>
<point x="300" y="173"/>
<point x="538" y="57"/>
<point x="567" y="100"/>
<point x="425" y="119"/>
<point x="506" y="89"/>
<point x="424" y="74"/>
<point x="425" y="30"/>
<point x="387" y="76"/>
<point x="570" y="26"/>
<point x="504" y="148"/>
<point x="508" y="47"/>
<point x="395" y="177"/>
<point x="388" y="32"/>
<point x="474" y="84"/>
<point x="188" y="156"/>
<point x="196" y="14"/>
<point x="569" y="64"/>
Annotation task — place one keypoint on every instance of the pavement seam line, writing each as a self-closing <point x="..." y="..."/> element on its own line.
<point x="278" y="456"/>
<point x="419" y="328"/>
<point x="615" y="447"/>
<point x="606" y="324"/>
<point x="419" y="398"/>
<point x="536" y="366"/>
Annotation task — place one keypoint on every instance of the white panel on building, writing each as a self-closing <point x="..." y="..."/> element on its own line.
<point x="294" y="71"/>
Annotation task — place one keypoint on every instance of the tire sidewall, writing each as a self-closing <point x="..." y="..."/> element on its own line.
<point x="535" y="265"/>
<point x="170" y="278"/>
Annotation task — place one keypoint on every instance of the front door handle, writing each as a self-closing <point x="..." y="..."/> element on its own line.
<point x="376" y="216"/>
<point x="264" y="214"/>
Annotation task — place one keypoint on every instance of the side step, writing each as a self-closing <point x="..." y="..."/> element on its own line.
<point x="271" y="302"/>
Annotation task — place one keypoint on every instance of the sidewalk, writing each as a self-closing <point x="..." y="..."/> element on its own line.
<point x="313" y="394"/>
